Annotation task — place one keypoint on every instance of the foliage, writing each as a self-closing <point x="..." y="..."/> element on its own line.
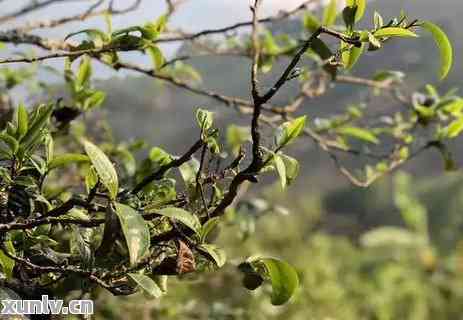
<point x="78" y="207"/>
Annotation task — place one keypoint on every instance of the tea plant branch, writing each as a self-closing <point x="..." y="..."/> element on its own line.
<point x="89" y="13"/>
<point x="175" y="163"/>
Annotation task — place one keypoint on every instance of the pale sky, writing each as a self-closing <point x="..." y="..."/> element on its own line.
<point x="193" y="15"/>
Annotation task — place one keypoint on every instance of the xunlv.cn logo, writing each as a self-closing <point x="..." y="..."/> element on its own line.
<point x="46" y="306"/>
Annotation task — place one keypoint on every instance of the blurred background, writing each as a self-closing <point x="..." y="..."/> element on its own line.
<point x="391" y="251"/>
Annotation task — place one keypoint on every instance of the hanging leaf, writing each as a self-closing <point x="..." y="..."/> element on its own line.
<point x="84" y="73"/>
<point x="135" y="230"/>
<point x="208" y="227"/>
<point x="444" y="45"/>
<point x="213" y="252"/>
<point x="292" y="168"/>
<point x="361" y="6"/>
<point x="351" y="56"/>
<point x="330" y="13"/>
<point x="66" y="159"/>
<point x="322" y="50"/>
<point x="147" y="284"/>
<point x="282" y="276"/>
<point x="183" y="216"/>
<point x="281" y="169"/>
<point x="156" y="56"/>
<point x="103" y="167"/>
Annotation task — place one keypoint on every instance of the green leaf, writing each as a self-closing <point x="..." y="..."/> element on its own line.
<point x="147" y="284"/>
<point x="135" y="230"/>
<point x="84" y="73"/>
<point x="218" y="255"/>
<point x="208" y="227"/>
<point x="22" y="119"/>
<point x="188" y="171"/>
<point x="292" y="168"/>
<point x="204" y="118"/>
<point x="188" y="219"/>
<point x="65" y="159"/>
<point x="103" y="167"/>
<point x="311" y="22"/>
<point x="6" y="262"/>
<point x="454" y="128"/>
<point x="330" y="13"/>
<point x="391" y="237"/>
<point x="237" y="136"/>
<point x="351" y="56"/>
<point x="322" y="50"/>
<point x="444" y="45"/>
<point x="394" y="32"/>
<point x="156" y="56"/>
<point x="358" y="133"/>
<point x="38" y="123"/>
<point x="348" y="15"/>
<point x="160" y="156"/>
<point x="281" y="169"/>
<point x="95" y="100"/>
<point x="282" y="276"/>
<point x="361" y="6"/>
<point x="91" y="33"/>
<point x="289" y="131"/>
<point x="10" y="141"/>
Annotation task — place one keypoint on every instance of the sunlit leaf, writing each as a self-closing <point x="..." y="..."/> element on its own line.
<point x="22" y="120"/>
<point x="361" y="6"/>
<point x="444" y="45"/>
<point x="330" y="13"/>
<point x="358" y="133"/>
<point x="135" y="230"/>
<point x="66" y="159"/>
<point x="6" y="262"/>
<point x="394" y="32"/>
<point x="208" y="227"/>
<point x="281" y="169"/>
<point x="188" y="219"/>
<point x="104" y="168"/>
<point x="218" y="255"/>
<point x="289" y="131"/>
<point x="147" y="284"/>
